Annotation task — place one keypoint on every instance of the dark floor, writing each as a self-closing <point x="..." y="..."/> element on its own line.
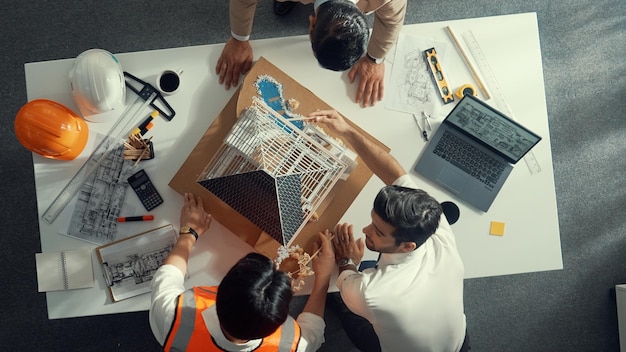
<point x="584" y="49"/>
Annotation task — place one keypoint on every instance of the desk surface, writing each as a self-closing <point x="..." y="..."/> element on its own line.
<point x="527" y="203"/>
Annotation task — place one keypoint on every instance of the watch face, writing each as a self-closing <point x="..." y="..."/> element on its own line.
<point x="184" y="229"/>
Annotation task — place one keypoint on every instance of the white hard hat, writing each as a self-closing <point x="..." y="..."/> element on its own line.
<point x="97" y="83"/>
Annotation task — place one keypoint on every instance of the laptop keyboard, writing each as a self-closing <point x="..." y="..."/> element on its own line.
<point x="469" y="159"/>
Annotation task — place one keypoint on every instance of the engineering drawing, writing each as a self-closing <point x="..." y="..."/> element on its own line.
<point x="101" y="198"/>
<point x="412" y="88"/>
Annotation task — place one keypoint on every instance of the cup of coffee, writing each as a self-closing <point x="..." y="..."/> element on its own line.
<point x="168" y="81"/>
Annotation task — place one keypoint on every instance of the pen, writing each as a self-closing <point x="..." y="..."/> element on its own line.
<point x="424" y="133"/>
<point x="136" y="218"/>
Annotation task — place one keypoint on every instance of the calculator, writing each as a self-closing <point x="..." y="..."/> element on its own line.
<point x="145" y="190"/>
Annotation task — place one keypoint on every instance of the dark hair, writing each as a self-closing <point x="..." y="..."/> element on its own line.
<point x="413" y="212"/>
<point x="340" y="36"/>
<point x="253" y="298"/>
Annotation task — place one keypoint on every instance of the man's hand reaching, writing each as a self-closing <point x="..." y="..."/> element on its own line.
<point x="235" y="60"/>
<point x="371" y="81"/>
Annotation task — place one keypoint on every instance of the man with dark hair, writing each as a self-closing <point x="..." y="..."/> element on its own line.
<point x="249" y="310"/>
<point x="413" y="299"/>
<point x="339" y="39"/>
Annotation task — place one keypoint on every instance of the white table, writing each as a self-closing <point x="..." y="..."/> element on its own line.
<point x="527" y="203"/>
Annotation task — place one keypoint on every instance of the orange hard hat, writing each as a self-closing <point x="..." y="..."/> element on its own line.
<point x="50" y="129"/>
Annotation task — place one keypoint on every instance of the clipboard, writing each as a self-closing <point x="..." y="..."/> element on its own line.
<point x="129" y="264"/>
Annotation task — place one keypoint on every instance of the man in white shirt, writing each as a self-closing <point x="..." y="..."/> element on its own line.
<point x="413" y="298"/>
<point x="248" y="311"/>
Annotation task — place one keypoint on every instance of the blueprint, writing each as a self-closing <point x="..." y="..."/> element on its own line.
<point x="412" y="88"/>
<point x="129" y="264"/>
<point x="101" y="198"/>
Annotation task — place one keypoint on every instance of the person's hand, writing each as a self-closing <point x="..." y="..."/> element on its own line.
<point x="324" y="261"/>
<point x="235" y="60"/>
<point x="345" y="246"/>
<point x="332" y="119"/>
<point x="371" y="81"/>
<point x="193" y="215"/>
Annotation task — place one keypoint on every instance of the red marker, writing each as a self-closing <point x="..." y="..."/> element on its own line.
<point x="136" y="218"/>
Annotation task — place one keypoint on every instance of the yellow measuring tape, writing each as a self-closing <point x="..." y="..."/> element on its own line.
<point x="466" y="89"/>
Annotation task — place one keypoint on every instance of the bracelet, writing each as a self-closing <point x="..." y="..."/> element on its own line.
<point x="374" y="60"/>
<point x="190" y="231"/>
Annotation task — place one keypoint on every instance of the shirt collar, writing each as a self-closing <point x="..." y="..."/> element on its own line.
<point x="399" y="258"/>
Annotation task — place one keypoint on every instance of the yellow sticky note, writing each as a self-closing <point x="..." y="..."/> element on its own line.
<point x="497" y="228"/>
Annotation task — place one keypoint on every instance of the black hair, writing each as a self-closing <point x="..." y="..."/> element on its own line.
<point x="412" y="212"/>
<point x="253" y="298"/>
<point x="340" y="36"/>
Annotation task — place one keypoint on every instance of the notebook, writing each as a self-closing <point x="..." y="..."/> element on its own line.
<point x="64" y="270"/>
<point x="473" y="152"/>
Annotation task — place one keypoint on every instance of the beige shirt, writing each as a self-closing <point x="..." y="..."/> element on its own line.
<point x="388" y="21"/>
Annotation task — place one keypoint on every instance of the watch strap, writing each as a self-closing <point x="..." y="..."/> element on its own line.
<point x="188" y="229"/>
<point x="345" y="262"/>
<point x="373" y="59"/>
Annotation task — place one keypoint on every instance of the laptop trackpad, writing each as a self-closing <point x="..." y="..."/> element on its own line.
<point x="452" y="179"/>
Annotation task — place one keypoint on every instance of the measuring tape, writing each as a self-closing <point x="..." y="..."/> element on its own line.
<point x="147" y="95"/>
<point x="466" y="89"/>
<point x="496" y="93"/>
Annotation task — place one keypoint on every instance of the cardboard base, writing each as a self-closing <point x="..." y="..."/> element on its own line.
<point x="332" y="208"/>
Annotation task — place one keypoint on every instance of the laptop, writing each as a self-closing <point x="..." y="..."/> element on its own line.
<point x="473" y="152"/>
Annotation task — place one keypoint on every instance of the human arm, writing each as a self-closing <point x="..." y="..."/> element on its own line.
<point x="382" y="164"/>
<point x="323" y="265"/>
<point x="236" y="57"/>
<point x="388" y="21"/>
<point x="192" y="215"/>
<point x="371" y="85"/>
<point x="345" y="246"/>
<point x="311" y="320"/>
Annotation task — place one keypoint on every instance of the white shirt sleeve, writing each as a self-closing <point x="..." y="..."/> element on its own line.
<point x="405" y="181"/>
<point x="167" y="285"/>
<point x="312" y="330"/>
<point x="350" y="285"/>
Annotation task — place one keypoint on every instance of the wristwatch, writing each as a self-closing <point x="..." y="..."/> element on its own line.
<point x="376" y="61"/>
<point x="345" y="262"/>
<point x="186" y="229"/>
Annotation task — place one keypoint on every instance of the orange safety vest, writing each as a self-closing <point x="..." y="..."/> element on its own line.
<point x="189" y="333"/>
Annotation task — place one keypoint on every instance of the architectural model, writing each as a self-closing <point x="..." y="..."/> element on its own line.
<point x="272" y="172"/>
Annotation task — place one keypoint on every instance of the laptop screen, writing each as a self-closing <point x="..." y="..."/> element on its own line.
<point x="492" y="128"/>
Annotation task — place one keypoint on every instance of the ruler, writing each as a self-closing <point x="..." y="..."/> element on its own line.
<point x="496" y="94"/>
<point x="118" y="133"/>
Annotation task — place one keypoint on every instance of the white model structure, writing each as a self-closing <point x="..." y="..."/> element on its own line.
<point x="273" y="173"/>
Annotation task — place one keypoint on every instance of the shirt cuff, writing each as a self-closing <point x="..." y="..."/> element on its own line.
<point x="241" y="38"/>
<point x="312" y="328"/>
<point x="343" y="276"/>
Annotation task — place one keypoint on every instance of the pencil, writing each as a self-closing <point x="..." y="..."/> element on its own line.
<point x="469" y="63"/>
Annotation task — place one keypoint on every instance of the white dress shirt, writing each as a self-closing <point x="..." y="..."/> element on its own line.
<point x="413" y="300"/>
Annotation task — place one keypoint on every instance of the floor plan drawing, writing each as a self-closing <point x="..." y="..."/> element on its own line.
<point x="128" y="265"/>
<point x="412" y="89"/>
<point x="101" y="198"/>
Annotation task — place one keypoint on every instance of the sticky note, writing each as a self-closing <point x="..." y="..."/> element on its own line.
<point x="497" y="228"/>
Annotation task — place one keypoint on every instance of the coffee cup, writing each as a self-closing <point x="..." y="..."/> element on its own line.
<point x="168" y="81"/>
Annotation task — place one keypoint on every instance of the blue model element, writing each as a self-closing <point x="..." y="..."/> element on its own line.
<point x="272" y="94"/>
